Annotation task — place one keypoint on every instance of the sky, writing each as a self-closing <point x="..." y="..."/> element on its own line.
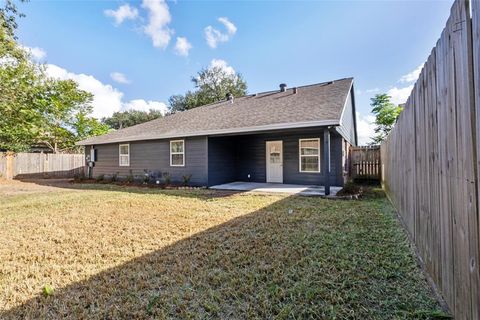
<point x="135" y="55"/>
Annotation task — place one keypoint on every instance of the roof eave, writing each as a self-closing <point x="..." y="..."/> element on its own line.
<point x="279" y="126"/>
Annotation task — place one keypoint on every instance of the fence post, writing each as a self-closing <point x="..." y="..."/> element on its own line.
<point x="9" y="165"/>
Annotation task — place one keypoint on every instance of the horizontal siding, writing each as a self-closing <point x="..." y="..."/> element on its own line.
<point x="347" y="123"/>
<point x="154" y="156"/>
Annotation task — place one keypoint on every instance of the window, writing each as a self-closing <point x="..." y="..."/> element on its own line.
<point x="177" y="153"/>
<point x="124" y="155"/>
<point x="309" y="155"/>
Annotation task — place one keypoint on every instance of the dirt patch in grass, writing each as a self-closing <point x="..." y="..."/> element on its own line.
<point x="119" y="252"/>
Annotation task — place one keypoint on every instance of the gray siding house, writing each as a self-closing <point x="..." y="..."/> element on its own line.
<point x="297" y="136"/>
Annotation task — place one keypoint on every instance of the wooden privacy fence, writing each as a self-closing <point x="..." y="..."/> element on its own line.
<point x="40" y="165"/>
<point x="430" y="162"/>
<point x="365" y="163"/>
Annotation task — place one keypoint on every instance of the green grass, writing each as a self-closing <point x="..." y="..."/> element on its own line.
<point x="200" y="254"/>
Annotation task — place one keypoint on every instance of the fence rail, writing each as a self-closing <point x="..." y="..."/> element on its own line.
<point x="40" y="165"/>
<point x="430" y="162"/>
<point x="365" y="163"/>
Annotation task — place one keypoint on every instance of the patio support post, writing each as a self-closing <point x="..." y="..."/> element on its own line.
<point x="326" y="159"/>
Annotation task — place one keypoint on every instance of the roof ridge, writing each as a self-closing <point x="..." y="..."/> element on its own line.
<point x="260" y="93"/>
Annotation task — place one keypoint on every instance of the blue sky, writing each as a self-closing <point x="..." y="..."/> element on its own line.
<point x="137" y="54"/>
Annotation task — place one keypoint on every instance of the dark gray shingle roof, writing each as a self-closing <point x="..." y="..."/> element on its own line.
<point x="313" y="105"/>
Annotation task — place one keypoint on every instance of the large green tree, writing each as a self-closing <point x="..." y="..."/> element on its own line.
<point x="386" y="114"/>
<point x="33" y="107"/>
<point x="124" y="119"/>
<point x="65" y="120"/>
<point x="211" y="85"/>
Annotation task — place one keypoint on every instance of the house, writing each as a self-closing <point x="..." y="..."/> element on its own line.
<point x="296" y="136"/>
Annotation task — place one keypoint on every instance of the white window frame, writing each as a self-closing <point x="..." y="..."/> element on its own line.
<point x="182" y="153"/>
<point x="120" y="154"/>
<point x="300" y="155"/>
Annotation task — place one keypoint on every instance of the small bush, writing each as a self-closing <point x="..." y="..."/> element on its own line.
<point x="186" y="179"/>
<point x="146" y="176"/>
<point x="167" y="178"/>
<point x="114" y="177"/>
<point x="349" y="189"/>
<point x="130" y="178"/>
<point x="100" y="178"/>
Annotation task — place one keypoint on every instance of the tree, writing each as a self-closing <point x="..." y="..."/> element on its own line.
<point x="130" y="118"/>
<point x="386" y="114"/>
<point x="34" y="108"/>
<point x="65" y="120"/>
<point x="211" y="85"/>
<point x="85" y="126"/>
<point x="8" y="15"/>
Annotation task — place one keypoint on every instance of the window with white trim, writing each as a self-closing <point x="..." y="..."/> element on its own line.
<point x="177" y="153"/>
<point x="309" y="155"/>
<point x="124" y="155"/>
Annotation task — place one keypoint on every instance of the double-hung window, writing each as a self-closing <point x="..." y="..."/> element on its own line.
<point x="124" y="155"/>
<point x="309" y="155"/>
<point x="177" y="153"/>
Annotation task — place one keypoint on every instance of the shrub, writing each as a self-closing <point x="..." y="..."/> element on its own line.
<point x="167" y="178"/>
<point x="186" y="179"/>
<point x="146" y="176"/>
<point x="114" y="177"/>
<point x="130" y="177"/>
<point x="100" y="178"/>
<point x="349" y="189"/>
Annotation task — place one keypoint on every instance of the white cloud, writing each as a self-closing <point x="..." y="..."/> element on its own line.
<point x="142" y="105"/>
<point x="365" y="128"/>
<point x="123" y="13"/>
<point x="106" y="98"/>
<point x="119" y="77"/>
<point x="222" y="64"/>
<point x="158" y="20"/>
<point x="400" y="95"/>
<point x="214" y="36"/>
<point x="38" y="54"/>
<point x="231" y="28"/>
<point x="412" y="76"/>
<point x="182" y="47"/>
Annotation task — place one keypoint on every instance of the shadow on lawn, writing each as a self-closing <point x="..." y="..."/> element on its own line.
<point x="269" y="263"/>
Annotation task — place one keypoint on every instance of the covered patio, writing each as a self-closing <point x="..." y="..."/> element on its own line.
<point x="307" y="161"/>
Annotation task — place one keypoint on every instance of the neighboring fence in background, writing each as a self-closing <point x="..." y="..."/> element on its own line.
<point x="430" y="162"/>
<point x="40" y="165"/>
<point x="365" y="163"/>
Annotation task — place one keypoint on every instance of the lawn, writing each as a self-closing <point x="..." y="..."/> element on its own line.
<point x="101" y="251"/>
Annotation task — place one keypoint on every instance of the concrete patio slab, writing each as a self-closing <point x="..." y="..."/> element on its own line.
<point x="304" y="190"/>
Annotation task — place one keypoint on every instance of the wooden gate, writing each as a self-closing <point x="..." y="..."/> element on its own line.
<point x="365" y="163"/>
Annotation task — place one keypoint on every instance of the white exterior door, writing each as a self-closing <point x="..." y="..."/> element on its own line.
<point x="274" y="161"/>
